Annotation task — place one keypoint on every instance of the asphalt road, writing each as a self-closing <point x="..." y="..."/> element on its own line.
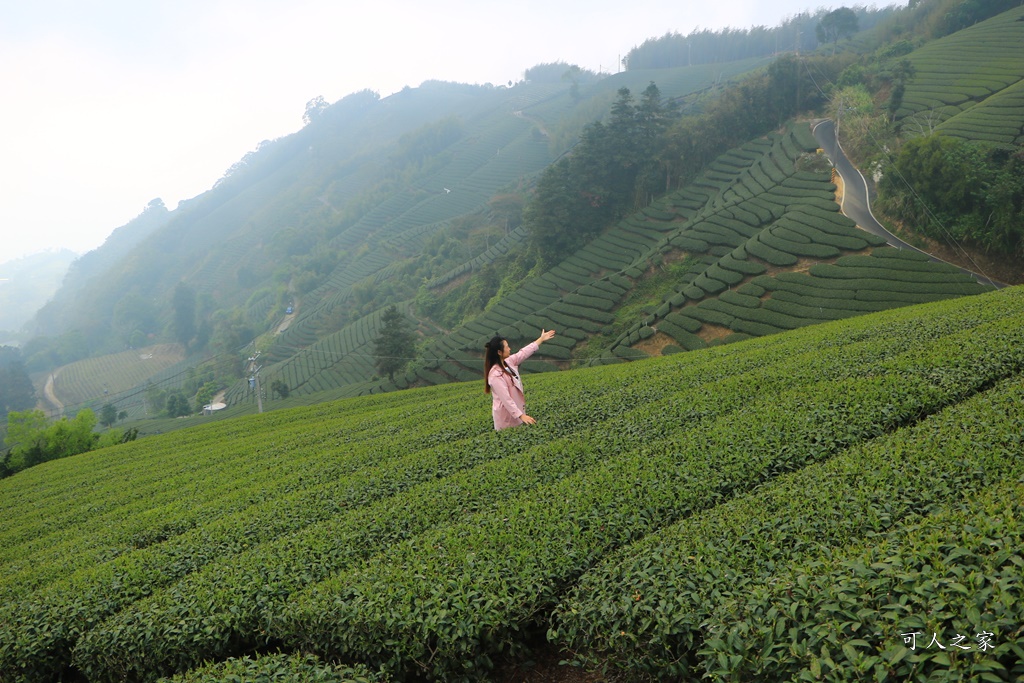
<point x="857" y="196"/>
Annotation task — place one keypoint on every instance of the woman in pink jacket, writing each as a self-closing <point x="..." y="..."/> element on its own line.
<point x="502" y="381"/>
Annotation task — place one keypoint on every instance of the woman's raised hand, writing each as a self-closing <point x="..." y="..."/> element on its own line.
<point x="544" y="336"/>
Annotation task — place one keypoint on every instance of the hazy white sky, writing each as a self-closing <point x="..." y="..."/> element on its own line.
<point x="108" y="104"/>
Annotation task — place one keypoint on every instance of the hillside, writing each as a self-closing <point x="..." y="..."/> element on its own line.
<point x="423" y="200"/>
<point x="970" y="85"/>
<point x="25" y="285"/>
<point x="852" y="481"/>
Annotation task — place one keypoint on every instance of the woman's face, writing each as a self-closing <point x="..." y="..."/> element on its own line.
<point x="505" y="350"/>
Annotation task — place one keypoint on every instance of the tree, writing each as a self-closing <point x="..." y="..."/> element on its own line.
<point x="178" y="405"/>
<point x="612" y="171"/>
<point x="836" y="25"/>
<point x="394" y="347"/>
<point x="70" y="437"/>
<point x="25" y="430"/>
<point x="32" y="440"/>
<point x="314" y="108"/>
<point x="108" y="415"/>
<point x="280" y="388"/>
<point x="156" y="398"/>
<point x="134" y="317"/>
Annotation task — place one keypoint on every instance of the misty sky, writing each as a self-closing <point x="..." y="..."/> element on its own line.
<point x="108" y="104"/>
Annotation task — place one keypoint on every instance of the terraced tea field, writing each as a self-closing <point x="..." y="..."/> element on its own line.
<point x="776" y="508"/>
<point x="969" y="84"/>
<point x="82" y="382"/>
<point x="769" y="252"/>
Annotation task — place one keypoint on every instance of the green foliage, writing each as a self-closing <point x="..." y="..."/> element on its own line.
<point x="45" y="353"/>
<point x="280" y="388"/>
<point x="960" y="14"/>
<point x="183" y="302"/>
<point x="429" y="140"/>
<point x="956" y="190"/>
<point x="178" y="404"/>
<point x="108" y="415"/>
<point x="615" y="164"/>
<point x="398" y="533"/>
<point x="704" y="46"/>
<point x="394" y="348"/>
<point x="957" y="570"/>
<point x="294" y="668"/>
<point x="836" y="25"/>
<point x="733" y="609"/>
<point x="31" y="439"/>
<point x="557" y="72"/>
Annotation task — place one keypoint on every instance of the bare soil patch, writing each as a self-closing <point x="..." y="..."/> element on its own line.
<point x="544" y="667"/>
<point x="653" y="346"/>
<point x="710" y="333"/>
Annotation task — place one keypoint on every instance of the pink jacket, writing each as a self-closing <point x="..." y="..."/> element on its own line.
<point x="508" y="402"/>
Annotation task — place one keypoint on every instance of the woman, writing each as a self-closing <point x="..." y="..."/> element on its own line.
<point x="502" y="382"/>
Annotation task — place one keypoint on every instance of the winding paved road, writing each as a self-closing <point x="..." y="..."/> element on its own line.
<point x="857" y="199"/>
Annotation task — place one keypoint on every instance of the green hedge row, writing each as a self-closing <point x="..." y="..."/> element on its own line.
<point x="303" y="494"/>
<point x="446" y="613"/>
<point x="922" y="277"/>
<point x="280" y="668"/>
<point x="737" y="261"/>
<point x="777" y="241"/>
<point x="813" y="234"/>
<point x="682" y="320"/>
<point x="710" y="585"/>
<point x="762" y="315"/>
<point x="228" y="597"/>
<point x="815" y="311"/>
<point x="686" y="340"/>
<point x="687" y="242"/>
<point x="242" y="588"/>
<point x="758" y="249"/>
<point x="735" y="298"/>
<point x="958" y="575"/>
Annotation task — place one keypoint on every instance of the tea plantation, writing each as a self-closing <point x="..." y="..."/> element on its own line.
<point x="795" y="506"/>
<point x="969" y="84"/>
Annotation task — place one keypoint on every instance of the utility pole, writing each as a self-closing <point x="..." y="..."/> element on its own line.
<point x="254" y="381"/>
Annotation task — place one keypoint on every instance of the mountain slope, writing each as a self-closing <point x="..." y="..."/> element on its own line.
<point x="968" y="84"/>
<point x="399" y="201"/>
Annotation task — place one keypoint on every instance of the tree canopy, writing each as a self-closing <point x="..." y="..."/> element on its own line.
<point x="836" y="25"/>
<point x="614" y="169"/>
<point x="395" y="346"/>
<point x="953" y="190"/>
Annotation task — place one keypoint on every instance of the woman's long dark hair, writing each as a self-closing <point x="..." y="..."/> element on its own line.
<point x="491" y="358"/>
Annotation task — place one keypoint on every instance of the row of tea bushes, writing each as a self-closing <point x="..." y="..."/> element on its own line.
<point x="261" y="526"/>
<point x="646" y="611"/>
<point x="392" y="444"/>
<point x="445" y="604"/>
<point x="853" y="285"/>
<point x="280" y="668"/>
<point x="955" y="73"/>
<point x="227" y="605"/>
<point x="937" y="600"/>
